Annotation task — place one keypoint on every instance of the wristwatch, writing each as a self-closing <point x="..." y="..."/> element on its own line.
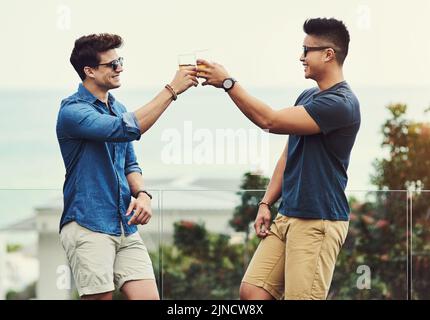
<point x="228" y="83"/>
<point x="144" y="191"/>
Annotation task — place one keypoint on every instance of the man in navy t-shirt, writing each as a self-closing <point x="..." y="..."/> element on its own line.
<point x="298" y="251"/>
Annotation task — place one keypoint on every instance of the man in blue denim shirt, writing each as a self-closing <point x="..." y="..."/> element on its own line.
<point x="95" y="133"/>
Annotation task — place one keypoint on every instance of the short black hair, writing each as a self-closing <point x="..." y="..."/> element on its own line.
<point x="331" y="30"/>
<point x="87" y="48"/>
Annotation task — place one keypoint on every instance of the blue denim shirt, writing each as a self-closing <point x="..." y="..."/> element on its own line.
<point x="98" y="155"/>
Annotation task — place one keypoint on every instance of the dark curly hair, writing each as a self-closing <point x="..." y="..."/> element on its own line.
<point x="87" y="49"/>
<point x="331" y="30"/>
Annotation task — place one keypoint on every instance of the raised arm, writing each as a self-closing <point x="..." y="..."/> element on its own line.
<point x="291" y="120"/>
<point x="80" y="120"/>
<point x="148" y="114"/>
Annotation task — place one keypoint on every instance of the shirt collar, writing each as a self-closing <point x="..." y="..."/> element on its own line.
<point x="332" y="88"/>
<point x="89" y="97"/>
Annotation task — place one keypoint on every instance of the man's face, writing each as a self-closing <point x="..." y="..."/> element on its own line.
<point x="104" y="75"/>
<point x="315" y="60"/>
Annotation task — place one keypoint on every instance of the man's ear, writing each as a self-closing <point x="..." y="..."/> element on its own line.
<point x="330" y="55"/>
<point x="89" y="72"/>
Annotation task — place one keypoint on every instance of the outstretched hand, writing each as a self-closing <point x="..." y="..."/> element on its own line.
<point x="213" y="72"/>
<point x="184" y="79"/>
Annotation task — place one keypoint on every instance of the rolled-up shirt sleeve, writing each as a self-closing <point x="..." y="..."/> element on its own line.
<point x="131" y="164"/>
<point x="82" y="121"/>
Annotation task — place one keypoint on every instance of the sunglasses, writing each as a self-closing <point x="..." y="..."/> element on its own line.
<point x="306" y="49"/>
<point x="114" y="64"/>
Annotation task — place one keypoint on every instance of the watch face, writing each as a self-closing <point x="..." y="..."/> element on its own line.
<point x="228" y="83"/>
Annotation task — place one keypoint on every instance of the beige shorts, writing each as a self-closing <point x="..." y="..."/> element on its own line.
<point x="101" y="262"/>
<point x="297" y="259"/>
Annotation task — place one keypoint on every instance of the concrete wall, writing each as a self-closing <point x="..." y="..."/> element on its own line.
<point x="55" y="280"/>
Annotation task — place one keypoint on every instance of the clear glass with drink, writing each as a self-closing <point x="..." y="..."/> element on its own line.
<point x="187" y="60"/>
<point x="203" y="54"/>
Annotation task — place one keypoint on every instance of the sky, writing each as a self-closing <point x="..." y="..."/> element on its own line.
<point x="258" y="41"/>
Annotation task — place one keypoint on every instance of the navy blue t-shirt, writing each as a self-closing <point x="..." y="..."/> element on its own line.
<point x="315" y="175"/>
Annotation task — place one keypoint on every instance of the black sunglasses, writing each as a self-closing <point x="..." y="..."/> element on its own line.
<point x="114" y="64"/>
<point x="306" y="49"/>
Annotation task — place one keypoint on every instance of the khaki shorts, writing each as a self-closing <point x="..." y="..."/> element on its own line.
<point x="297" y="259"/>
<point x="101" y="262"/>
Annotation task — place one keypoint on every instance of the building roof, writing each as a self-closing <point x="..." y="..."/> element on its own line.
<point x="28" y="224"/>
